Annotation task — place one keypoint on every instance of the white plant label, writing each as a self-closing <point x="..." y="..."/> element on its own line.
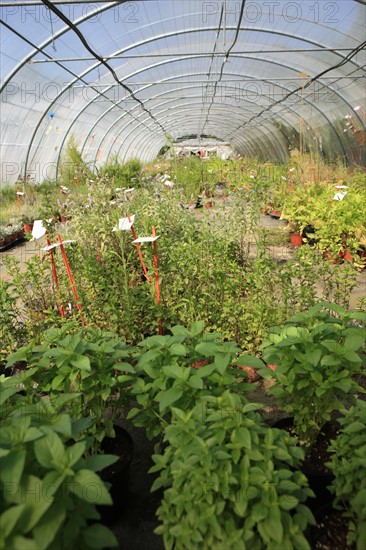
<point x="125" y="224"/>
<point x="146" y="239"/>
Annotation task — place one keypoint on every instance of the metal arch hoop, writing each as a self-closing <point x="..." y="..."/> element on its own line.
<point x="165" y="62"/>
<point x="137" y="72"/>
<point x="194" y="57"/>
<point x="104" y="8"/>
<point x="156" y="38"/>
<point x="245" y="145"/>
<point x="216" y="116"/>
<point x="341" y="97"/>
<point x="233" y="74"/>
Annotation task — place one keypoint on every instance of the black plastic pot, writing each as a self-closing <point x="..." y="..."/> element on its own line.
<point x="117" y="475"/>
<point x="319" y="483"/>
<point x="308" y="234"/>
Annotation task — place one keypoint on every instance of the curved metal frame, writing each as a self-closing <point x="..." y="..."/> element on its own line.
<point x="178" y="116"/>
<point x="193" y="111"/>
<point x="177" y="76"/>
<point x="246" y="146"/>
<point x="101" y="9"/>
<point x="169" y="91"/>
<point x="185" y="31"/>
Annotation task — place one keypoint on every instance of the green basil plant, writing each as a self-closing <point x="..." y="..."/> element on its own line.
<point x="229" y="481"/>
<point x="48" y="491"/>
<point x="348" y="465"/>
<point x="319" y="353"/>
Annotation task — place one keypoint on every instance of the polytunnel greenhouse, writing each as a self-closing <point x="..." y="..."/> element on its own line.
<point x="183" y="275"/>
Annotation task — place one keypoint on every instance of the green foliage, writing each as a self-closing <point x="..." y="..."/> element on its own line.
<point x="11" y="328"/>
<point x="30" y="213"/>
<point x="127" y="174"/>
<point x="85" y="362"/>
<point x="72" y="166"/>
<point x="106" y="266"/>
<point x="219" y="271"/>
<point x="358" y="180"/>
<point x="48" y="491"/>
<point x="217" y="268"/>
<point x="338" y="224"/>
<point x="49" y="209"/>
<point x="349" y="469"/>
<point x="317" y="352"/>
<point x="36" y="300"/>
<point x="189" y="174"/>
<point x="167" y="377"/>
<point x="229" y="481"/>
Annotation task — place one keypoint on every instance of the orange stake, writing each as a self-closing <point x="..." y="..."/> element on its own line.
<point x="55" y="278"/>
<point x="148" y="278"/>
<point x="157" y="289"/>
<point x="71" y="279"/>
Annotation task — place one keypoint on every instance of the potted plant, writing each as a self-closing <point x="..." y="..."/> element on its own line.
<point x="167" y="374"/>
<point x="347" y="463"/>
<point x="7" y="234"/>
<point x="86" y="363"/>
<point x="83" y="361"/>
<point x="15" y="229"/>
<point x="229" y="481"/>
<point x="2" y="235"/>
<point x="49" y="491"/>
<point x="295" y="233"/>
<point x="360" y="236"/>
<point x="299" y="209"/>
<point x="337" y="224"/>
<point x="318" y="352"/>
<point x="28" y="217"/>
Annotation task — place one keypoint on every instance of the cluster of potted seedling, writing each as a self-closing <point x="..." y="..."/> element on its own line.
<point x="10" y="233"/>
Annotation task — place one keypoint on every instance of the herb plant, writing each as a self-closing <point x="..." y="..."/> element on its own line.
<point x="230" y="482"/>
<point x="317" y="352"/>
<point x="86" y="362"/>
<point x="348" y="466"/>
<point x="166" y="375"/>
<point x="48" y="491"/>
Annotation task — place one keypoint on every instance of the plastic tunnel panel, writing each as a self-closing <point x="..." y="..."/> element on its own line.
<point x="120" y="76"/>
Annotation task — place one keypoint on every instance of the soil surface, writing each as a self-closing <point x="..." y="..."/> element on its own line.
<point x="134" y="528"/>
<point x="330" y="533"/>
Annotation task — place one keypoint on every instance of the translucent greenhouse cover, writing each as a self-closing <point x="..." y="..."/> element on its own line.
<point x="122" y="77"/>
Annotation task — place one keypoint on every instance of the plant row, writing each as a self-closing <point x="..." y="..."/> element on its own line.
<point x="229" y="480"/>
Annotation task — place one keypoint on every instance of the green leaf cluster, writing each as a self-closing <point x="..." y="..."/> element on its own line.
<point x="318" y="353"/>
<point x="84" y="363"/>
<point x="48" y="491"/>
<point x="167" y="377"/>
<point x="229" y="481"/>
<point x="348" y="464"/>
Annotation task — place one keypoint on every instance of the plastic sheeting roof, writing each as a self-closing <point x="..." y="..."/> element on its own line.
<point x="122" y="75"/>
